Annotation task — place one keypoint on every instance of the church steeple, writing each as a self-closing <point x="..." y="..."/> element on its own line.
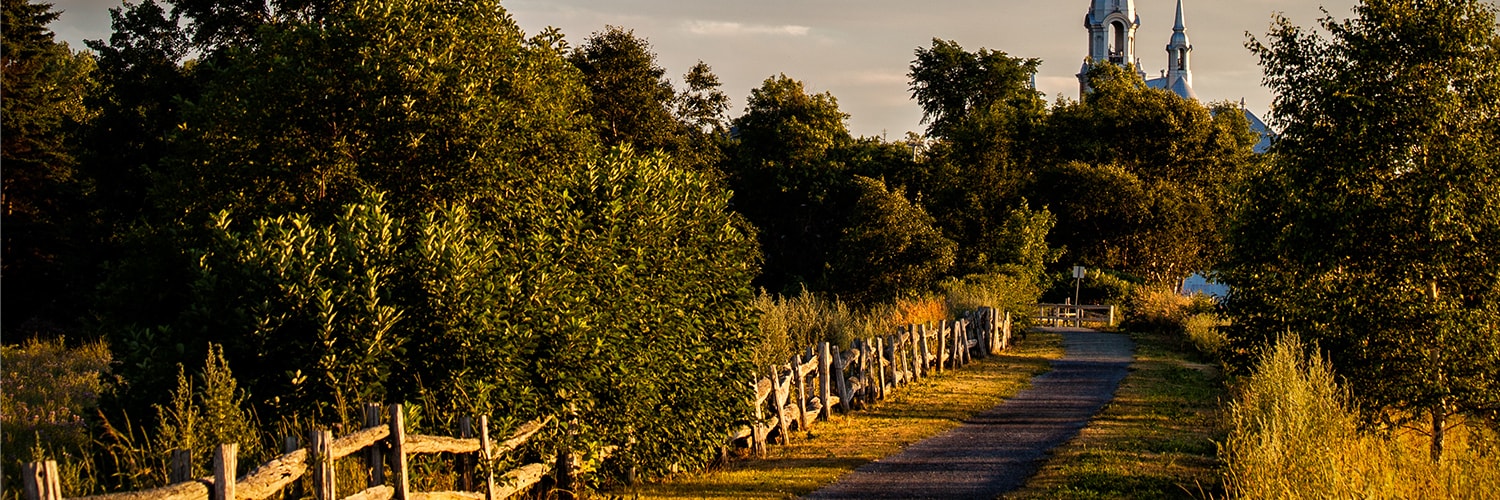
<point x="1179" y="58"/>
<point x="1111" y="25"/>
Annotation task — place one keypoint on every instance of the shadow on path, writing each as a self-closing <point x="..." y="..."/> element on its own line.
<point x="995" y="451"/>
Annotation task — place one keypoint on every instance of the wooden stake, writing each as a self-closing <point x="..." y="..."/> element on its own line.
<point x="488" y="460"/>
<point x="825" y="381"/>
<point x="373" y="458"/>
<point x="40" y="481"/>
<point x="398" y="453"/>
<point x="181" y="467"/>
<point x="320" y="443"/>
<point x="225" y="458"/>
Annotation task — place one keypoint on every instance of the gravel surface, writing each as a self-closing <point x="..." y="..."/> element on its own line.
<point x="996" y="451"/>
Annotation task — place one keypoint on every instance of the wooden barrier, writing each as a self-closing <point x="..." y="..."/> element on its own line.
<point x="868" y="371"/>
<point x="270" y="478"/>
<point x="848" y="379"/>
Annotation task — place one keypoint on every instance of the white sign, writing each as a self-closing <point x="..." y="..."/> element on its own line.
<point x="1078" y="272"/>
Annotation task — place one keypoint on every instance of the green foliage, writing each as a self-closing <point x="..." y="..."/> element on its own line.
<point x="310" y="306"/>
<point x="1373" y="229"/>
<point x="432" y="103"/>
<point x="44" y="196"/>
<point x="788" y="182"/>
<point x="889" y="248"/>
<point x="201" y="417"/>
<point x="1141" y="177"/>
<point x="1296" y="434"/>
<point x="631" y="96"/>
<point x="953" y="85"/>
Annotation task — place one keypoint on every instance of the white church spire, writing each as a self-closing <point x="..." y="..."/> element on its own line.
<point x="1179" y="59"/>
<point x="1111" y="25"/>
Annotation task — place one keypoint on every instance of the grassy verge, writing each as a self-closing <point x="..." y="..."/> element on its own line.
<point x="916" y="412"/>
<point x="1156" y="440"/>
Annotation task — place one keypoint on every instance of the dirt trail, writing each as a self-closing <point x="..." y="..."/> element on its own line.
<point x="996" y="451"/>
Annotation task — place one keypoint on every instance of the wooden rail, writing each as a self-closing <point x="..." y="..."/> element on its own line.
<point x="41" y="478"/>
<point x="870" y="370"/>
<point x="1075" y="315"/>
<point x="810" y="387"/>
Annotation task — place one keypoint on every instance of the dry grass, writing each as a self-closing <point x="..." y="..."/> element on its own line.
<point x="834" y="448"/>
<point x="1155" y="440"/>
<point x="1296" y="436"/>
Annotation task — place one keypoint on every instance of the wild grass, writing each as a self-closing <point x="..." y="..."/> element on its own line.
<point x="49" y="390"/>
<point x="831" y="449"/>
<point x="790" y="324"/>
<point x="1295" y="435"/>
<point x="1155" y="440"/>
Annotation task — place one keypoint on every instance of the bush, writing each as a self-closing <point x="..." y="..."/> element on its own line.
<point x="1296" y="435"/>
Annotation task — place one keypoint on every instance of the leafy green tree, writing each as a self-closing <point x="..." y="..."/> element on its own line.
<point x="1375" y="227"/>
<point x="632" y="98"/>
<point x="786" y="180"/>
<point x="703" y="110"/>
<point x="1142" y="177"/>
<point x="431" y="103"/>
<point x="889" y="248"/>
<point x="44" y="197"/>
<point x="984" y="117"/>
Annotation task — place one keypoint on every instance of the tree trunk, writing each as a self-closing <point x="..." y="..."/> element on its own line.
<point x="1439" y="417"/>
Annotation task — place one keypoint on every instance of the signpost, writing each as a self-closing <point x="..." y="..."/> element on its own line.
<point x="1078" y="273"/>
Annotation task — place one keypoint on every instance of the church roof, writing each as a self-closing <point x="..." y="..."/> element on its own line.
<point x="1180" y="87"/>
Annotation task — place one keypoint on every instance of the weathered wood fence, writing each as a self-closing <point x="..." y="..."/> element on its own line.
<point x="824" y="378"/>
<point x="1075" y="315"/>
<point x="384" y="442"/>
<point x="815" y="383"/>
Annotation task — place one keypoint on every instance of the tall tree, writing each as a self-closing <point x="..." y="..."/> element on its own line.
<point x="1170" y="161"/>
<point x="44" y="84"/>
<point x="787" y="181"/>
<point x="632" y="98"/>
<point x="1376" y="227"/>
<point x="983" y="116"/>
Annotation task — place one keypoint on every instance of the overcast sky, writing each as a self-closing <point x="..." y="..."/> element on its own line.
<point x="860" y="50"/>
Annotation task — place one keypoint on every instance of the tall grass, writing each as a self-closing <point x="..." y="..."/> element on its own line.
<point x="47" y="391"/>
<point x="1295" y="435"/>
<point x="790" y="324"/>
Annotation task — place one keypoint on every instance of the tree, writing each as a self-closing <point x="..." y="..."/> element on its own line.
<point x="632" y="99"/>
<point x="786" y="180"/>
<point x="43" y="195"/>
<point x="983" y="116"/>
<point x="1164" y="163"/>
<point x="1375" y="227"/>
<point x="889" y="248"/>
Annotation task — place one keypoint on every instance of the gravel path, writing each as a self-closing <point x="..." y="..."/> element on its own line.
<point x="996" y="451"/>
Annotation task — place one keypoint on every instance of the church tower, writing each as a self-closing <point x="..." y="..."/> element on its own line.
<point x="1179" y="59"/>
<point x="1111" y="25"/>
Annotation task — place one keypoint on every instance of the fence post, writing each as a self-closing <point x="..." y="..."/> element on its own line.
<point x="180" y="467"/>
<point x="373" y="458"/>
<point x="464" y="462"/>
<point x="915" y="354"/>
<point x="800" y="379"/>
<point x="320" y="443"/>
<point x="825" y="380"/>
<point x="398" y="453"/>
<point x="840" y="381"/>
<point x="944" y="348"/>
<point x="870" y="363"/>
<point x="758" y="428"/>
<point x="40" y="481"/>
<point x="778" y="398"/>
<point x="488" y="460"/>
<point x="879" y="367"/>
<point x="225" y="458"/>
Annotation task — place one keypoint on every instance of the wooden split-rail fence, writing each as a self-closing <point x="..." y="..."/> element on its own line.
<point x="803" y="391"/>
<point x="824" y="377"/>
<point x="384" y="443"/>
<point x="1075" y="315"/>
